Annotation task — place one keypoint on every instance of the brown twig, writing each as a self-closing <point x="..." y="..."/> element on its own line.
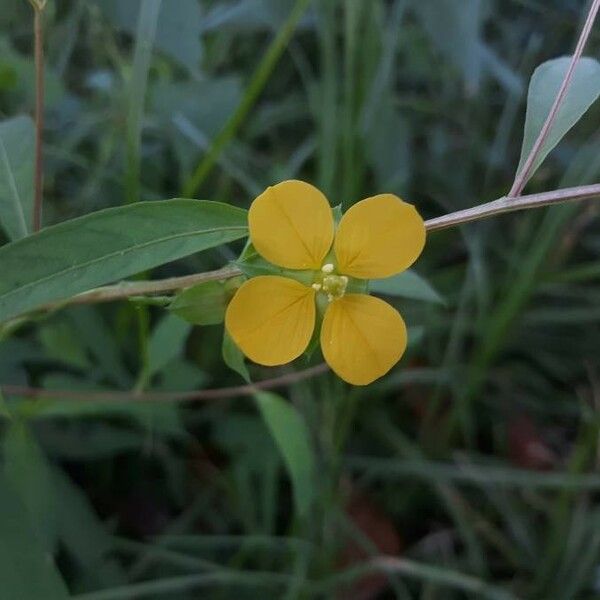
<point x="128" y="289"/>
<point x="505" y="205"/>
<point x="197" y="395"/>
<point x="524" y="174"/>
<point x="38" y="7"/>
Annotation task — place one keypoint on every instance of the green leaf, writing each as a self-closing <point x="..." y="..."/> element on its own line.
<point x="543" y="87"/>
<point x="292" y="437"/>
<point x="101" y="344"/>
<point x="454" y="26"/>
<point x="28" y="471"/>
<point x="16" y="176"/>
<point x="4" y="412"/>
<point x="251" y="264"/>
<point x="178" y="30"/>
<point x="406" y="285"/>
<point x="389" y="146"/>
<point x="205" y="303"/>
<point x="247" y="15"/>
<point x="27" y="571"/>
<point x="105" y="246"/>
<point x="64" y="344"/>
<point x="162" y="417"/>
<point x="84" y="535"/>
<point x="102" y="441"/>
<point x="166" y="342"/>
<point x="233" y="357"/>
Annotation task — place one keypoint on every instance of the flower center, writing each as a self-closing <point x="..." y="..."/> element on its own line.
<point x="329" y="283"/>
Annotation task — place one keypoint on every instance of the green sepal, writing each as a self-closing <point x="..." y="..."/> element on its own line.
<point x="337" y="214"/>
<point x="205" y="303"/>
<point x="251" y="264"/>
<point x="233" y="357"/>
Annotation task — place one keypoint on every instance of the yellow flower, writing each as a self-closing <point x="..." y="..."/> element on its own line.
<point x="272" y="318"/>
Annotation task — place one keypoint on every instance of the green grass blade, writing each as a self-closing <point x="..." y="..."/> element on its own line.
<point x="253" y="91"/>
<point x="146" y="31"/>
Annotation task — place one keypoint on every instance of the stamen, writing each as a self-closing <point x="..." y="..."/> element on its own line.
<point x="316" y="286"/>
<point x="334" y="286"/>
<point x="327" y="268"/>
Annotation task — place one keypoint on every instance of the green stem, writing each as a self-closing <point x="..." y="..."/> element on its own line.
<point x="38" y="176"/>
<point x="146" y="30"/>
<point x="351" y="20"/>
<point x="253" y="91"/>
<point x="420" y="571"/>
<point x="327" y="110"/>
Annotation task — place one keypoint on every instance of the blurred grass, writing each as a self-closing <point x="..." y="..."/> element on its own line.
<point x="475" y="460"/>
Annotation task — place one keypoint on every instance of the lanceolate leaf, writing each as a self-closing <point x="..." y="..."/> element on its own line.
<point x="29" y="473"/>
<point x="108" y="245"/>
<point x="544" y="85"/>
<point x="26" y="569"/>
<point x="16" y="176"/>
<point x="166" y="342"/>
<point x="292" y="437"/>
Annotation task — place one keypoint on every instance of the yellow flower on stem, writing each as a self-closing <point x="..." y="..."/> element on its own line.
<point x="272" y="318"/>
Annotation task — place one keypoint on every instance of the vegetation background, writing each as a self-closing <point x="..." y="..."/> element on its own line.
<point x="473" y="464"/>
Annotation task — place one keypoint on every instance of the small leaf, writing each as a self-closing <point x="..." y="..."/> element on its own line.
<point x="205" y="303"/>
<point x="406" y="285"/>
<point x="292" y="437"/>
<point x="16" y="176"/>
<point x="97" y="336"/>
<point x="105" y="246"/>
<point x="26" y="569"/>
<point x="543" y="87"/>
<point x="64" y="344"/>
<point x="233" y="357"/>
<point x="166" y="342"/>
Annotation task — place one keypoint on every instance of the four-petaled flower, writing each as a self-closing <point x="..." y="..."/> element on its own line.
<point x="272" y="318"/>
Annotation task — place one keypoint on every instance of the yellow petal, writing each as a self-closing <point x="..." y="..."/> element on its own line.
<point x="291" y="225"/>
<point x="362" y="338"/>
<point x="379" y="237"/>
<point x="271" y="319"/>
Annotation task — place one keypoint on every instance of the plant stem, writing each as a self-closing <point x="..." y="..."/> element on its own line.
<point x="39" y="114"/>
<point x="421" y="571"/>
<point x="128" y="289"/>
<point x="144" y="40"/>
<point x="254" y="89"/>
<point x="511" y="204"/>
<point x="525" y="173"/>
<point x="209" y="394"/>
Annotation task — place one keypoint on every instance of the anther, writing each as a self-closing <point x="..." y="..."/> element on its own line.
<point x="327" y="268"/>
<point x="316" y="286"/>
